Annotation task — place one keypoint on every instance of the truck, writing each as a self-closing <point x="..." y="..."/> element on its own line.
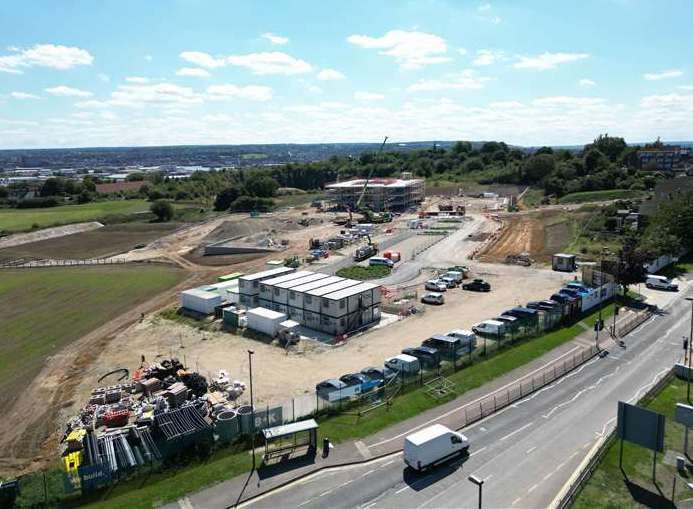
<point x="432" y="446"/>
<point x="365" y="252"/>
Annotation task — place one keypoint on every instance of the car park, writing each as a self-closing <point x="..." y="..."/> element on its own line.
<point x="433" y="298"/>
<point x="436" y="285"/>
<point x="477" y="285"/>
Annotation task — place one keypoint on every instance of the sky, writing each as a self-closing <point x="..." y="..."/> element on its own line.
<point x="79" y="73"/>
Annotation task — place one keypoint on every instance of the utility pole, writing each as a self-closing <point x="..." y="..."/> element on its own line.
<point x="688" y="370"/>
<point x="252" y="406"/>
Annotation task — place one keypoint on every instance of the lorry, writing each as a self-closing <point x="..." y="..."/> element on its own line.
<point x="365" y="252"/>
<point x="432" y="446"/>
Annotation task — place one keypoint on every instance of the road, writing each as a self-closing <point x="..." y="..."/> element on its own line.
<point x="525" y="453"/>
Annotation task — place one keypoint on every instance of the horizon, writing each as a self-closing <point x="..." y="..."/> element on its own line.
<point x="205" y="73"/>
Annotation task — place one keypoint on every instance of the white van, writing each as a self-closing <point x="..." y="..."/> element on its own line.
<point x="456" y="275"/>
<point x="380" y="260"/>
<point x="489" y="327"/>
<point x="403" y="363"/>
<point x="433" y="445"/>
<point x="660" y="283"/>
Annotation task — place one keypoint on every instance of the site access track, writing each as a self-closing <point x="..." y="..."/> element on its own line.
<point x="526" y="453"/>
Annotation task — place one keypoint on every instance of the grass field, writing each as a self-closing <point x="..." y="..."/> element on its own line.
<point x="295" y="200"/>
<point x="14" y="220"/>
<point x="109" y="240"/>
<point x="168" y="486"/>
<point x="610" y="489"/>
<point x="611" y="194"/>
<point x="363" y="273"/>
<point x="42" y="310"/>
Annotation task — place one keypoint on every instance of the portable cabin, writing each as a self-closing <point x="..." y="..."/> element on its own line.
<point x="452" y="347"/>
<point x="230" y="277"/>
<point x="296" y="293"/>
<point x="577" y="299"/>
<point x="349" y="308"/>
<point x="200" y="301"/>
<point x="568" y="303"/>
<point x="312" y="300"/>
<point x="526" y="315"/>
<point x="512" y="323"/>
<point x="563" y="262"/>
<point x="249" y="285"/>
<point x="264" y="320"/>
<point x="334" y="390"/>
<point x="281" y="290"/>
<point x="267" y="285"/>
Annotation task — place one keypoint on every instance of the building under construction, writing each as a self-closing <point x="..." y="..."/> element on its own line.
<point x="379" y="194"/>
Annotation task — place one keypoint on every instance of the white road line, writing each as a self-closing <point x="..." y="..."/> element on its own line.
<point x="346" y="483"/>
<point x="325" y="493"/>
<point x="573" y="455"/>
<point x="488" y="477"/>
<point x="516" y="500"/>
<point x="401" y="490"/>
<point x="367" y="473"/>
<point x="369" y="505"/>
<point x="306" y="502"/>
<point x="386" y="464"/>
<point x="478" y="451"/>
<point x="517" y="431"/>
<point x="587" y="445"/>
<point x="547" y="476"/>
<point x="530" y="490"/>
<point x="530" y="450"/>
<point x="481" y="398"/>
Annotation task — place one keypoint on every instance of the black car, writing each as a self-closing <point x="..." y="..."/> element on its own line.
<point x="477" y="285"/>
<point x="428" y="357"/>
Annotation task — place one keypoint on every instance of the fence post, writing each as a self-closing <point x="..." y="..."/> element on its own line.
<point x="543" y="375"/>
<point x="554" y="371"/>
<point x="481" y="410"/>
<point x="520" y="388"/>
<point x="494" y="403"/>
<point x="293" y="409"/>
<point x="532" y="384"/>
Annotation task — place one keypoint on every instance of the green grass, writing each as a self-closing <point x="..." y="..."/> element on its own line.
<point x="43" y="310"/>
<point x="684" y="265"/>
<point x="610" y="194"/>
<point x="364" y="273"/>
<point x="339" y="428"/>
<point x="607" y="487"/>
<point x="295" y="200"/>
<point x="532" y="198"/>
<point x="14" y="220"/>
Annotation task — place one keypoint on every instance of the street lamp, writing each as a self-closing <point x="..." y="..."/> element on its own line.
<point x="479" y="482"/>
<point x="252" y="405"/>
<point x="688" y="371"/>
<point x="602" y="252"/>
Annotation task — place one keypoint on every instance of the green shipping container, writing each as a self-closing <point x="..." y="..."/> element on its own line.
<point x="230" y="277"/>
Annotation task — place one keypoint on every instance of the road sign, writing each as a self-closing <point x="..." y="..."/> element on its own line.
<point x="684" y="414"/>
<point x="640" y="426"/>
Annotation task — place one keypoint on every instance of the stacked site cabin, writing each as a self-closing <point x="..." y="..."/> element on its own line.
<point x="330" y="304"/>
<point x="249" y="285"/>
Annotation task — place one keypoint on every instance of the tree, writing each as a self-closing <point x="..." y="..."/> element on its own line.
<point x="462" y="147"/>
<point x="163" y="210"/>
<point x="261" y="186"/>
<point x="54" y="186"/>
<point x="537" y="167"/>
<point x="544" y="150"/>
<point x="594" y="161"/>
<point x="671" y="228"/>
<point x="632" y="263"/>
<point x="611" y="146"/>
<point x="84" y="197"/>
<point x="473" y="165"/>
<point x="225" y="198"/>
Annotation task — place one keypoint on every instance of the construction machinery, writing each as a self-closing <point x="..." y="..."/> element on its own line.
<point x="365" y="252"/>
<point x="367" y="213"/>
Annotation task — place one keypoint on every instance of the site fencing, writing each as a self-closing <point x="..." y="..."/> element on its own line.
<point x="32" y="264"/>
<point x="628" y="324"/>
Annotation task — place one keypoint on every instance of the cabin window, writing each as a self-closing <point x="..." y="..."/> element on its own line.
<point x="308" y="299"/>
<point x="342" y="304"/>
<point x="276" y="292"/>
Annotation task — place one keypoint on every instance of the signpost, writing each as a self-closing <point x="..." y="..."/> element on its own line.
<point x="642" y="427"/>
<point x="684" y="415"/>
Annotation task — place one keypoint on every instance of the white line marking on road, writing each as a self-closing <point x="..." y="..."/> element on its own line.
<point x="401" y="490"/>
<point x="481" y="398"/>
<point x="386" y="464"/>
<point x="516" y="500"/>
<point x="477" y="451"/>
<point x="488" y="477"/>
<point x="325" y="493"/>
<point x="306" y="502"/>
<point x="482" y="428"/>
<point x="346" y="483"/>
<point x="517" y="431"/>
<point x="534" y="487"/>
<point x="581" y="392"/>
<point x="547" y="476"/>
<point x="530" y="450"/>
<point x="572" y="455"/>
<point x="369" y="505"/>
<point x="587" y="445"/>
<point x="367" y="473"/>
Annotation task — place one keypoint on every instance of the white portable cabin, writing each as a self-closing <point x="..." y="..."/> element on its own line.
<point x="296" y="294"/>
<point x="264" y="320"/>
<point x="267" y="285"/>
<point x="250" y="284"/>
<point x="200" y="301"/>
<point x="281" y="290"/>
<point x="350" y="308"/>
<point x="226" y="289"/>
<point x="312" y="300"/>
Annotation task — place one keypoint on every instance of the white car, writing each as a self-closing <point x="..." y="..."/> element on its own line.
<point x="436" y="285"/>
<point x="433" y="298"/>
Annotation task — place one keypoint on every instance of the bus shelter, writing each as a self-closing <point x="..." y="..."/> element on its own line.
<point x="286" y="440"/>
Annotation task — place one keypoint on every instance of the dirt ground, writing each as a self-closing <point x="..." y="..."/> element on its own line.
<point x="279" y="375"/>
<point x="17" y="239"/>
<point x="540" y="233"/>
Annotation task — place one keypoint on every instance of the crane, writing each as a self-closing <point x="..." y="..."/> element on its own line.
<point x="357" y="205"/>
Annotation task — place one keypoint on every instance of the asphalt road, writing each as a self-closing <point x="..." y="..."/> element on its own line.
<point x="525" y="453"/>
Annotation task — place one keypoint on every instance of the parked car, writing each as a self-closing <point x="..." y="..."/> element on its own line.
<point x="380" y="260"/>
<point x="661" y="283"/>
<point x="334" y="390"/>
<point x="449" y="281"/>
<point x="489" y="327"/>
<point x="432" y="446"/>
<point x="436" y="285"/>
<point x="458" y="275"/>
<point x="383" y="374"/>
<point x="366" y="383"/>
<point x="428" y="356"/>
<point x="403" y="363"/>
<point x="477" y="285"/>
<point x="433" y="298"/>
<point x="451" y="347"/>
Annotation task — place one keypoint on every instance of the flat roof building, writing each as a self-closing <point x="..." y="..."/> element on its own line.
<point x="381" y="193"/>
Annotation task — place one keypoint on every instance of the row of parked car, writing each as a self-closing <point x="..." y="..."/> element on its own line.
<point x="450" y="346"/>
<point x="449" y="280"/>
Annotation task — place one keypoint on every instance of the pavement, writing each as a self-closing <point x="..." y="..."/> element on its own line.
<point x="526" y="453"/>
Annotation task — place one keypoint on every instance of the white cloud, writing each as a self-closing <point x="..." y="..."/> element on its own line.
<point x="148" y="58"/>
<point x="104" y="77"/>
<point x="483" y="7"/>
<point x="275" y="39"/>
<point x="273" y="62"/>
<point x="314" y="89"/>
<point x="44" y="55"/>
<point x="411" y="50"/>
<point x="462" y="51"/>
<point x="486" y="57"/>
<point x="467" y="79"/>
<point x="202" y="59"/>
<point x="663" y="75"/>
<point x="23" y="95"/>
<point x="137" y="79"/>
<point x="330" y="74"/>
<point x="584" y="82"/>
<point x="65" y="91"/>
<point x="250" y="92"/>
<point x="668" y="101"/>
<point x="160" y="93"/>
<point x="368" y="96"/>
<point x="685" y="87"/>
<point x="195" y="72"/>
<point x="548" y="60"/>
<point x="92" y="104"/>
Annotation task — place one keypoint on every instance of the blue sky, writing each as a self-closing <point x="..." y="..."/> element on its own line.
<point x="221" y="71"/>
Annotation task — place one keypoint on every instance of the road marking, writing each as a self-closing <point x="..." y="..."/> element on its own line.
<point x="476" y="401"/>
<point x="530" y="450"/>
<point x="401" y="490"/>
<point x="517" y="431"/>
<point x="478" y="451"/>
<point x="482" y="428"/>
<point x="306" y="502"/>
<point x="367" y="473"/>
<point x="572" y="455"/>
<point x="587" y="445"/>
<point x="386" y="464"/>
<point x="532" y="488"/>
<point x="488" y="477"/>
<point x="346" y="483"/>
<point x="326" y="493"/>
<point x="516" y="500"/>
<point x="547" y="476"/>
<point x="369" y="505"/>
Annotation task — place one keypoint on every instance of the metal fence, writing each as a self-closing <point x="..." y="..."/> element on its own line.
<point x="628" y="324"/>
<point x="31" y="264"/>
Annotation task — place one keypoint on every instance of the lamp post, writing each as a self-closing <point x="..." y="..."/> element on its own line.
<point x="252" y="406"/>
<point x="479" y="482"/>
<point x="601" y="298"/>
<point x="688" y="370"/>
